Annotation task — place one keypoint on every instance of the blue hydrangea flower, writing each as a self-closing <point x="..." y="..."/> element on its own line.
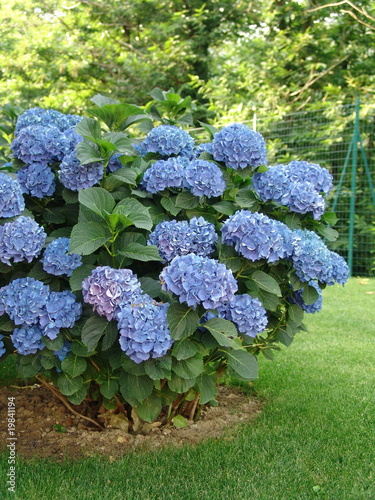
<point x="204" y="178"/>
<point x="11" y="199"/>
<point x="180" y="238"/>
<point x="239" y="147"/>
<point x="168" y="140"/>
<point x="199" y="280"/>
<point x="143" y="328"/>
<point x="27" y="339"/>
<point x="256" y="236"/>
<point x="313" y="173"/>
<point x="71" y="140"/>
<point x="312" y="260"/>
<point x="64" y="351"/>
<point x="22" y="239"/>
<point x="37" y="180"/>
<point x="247" y="314"/>
<point x="38" y="144"/>
<point x="75" y="176"/>
<point x="24" y="300"/>
<point x="114" y="163"/>
<point x="2" y="346"/>
<point x="297" y="298"/>
<point x="57" y="260"/>
<point x="60" y="311"/>
<point x="106" y="288"/>
<point x="46" y="118"/>
<point x="296" y="193"/>
<point x="205" y="147"/>
<point x="165" y="174"/>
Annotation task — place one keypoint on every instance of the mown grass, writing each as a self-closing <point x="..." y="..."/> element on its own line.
<point x="315" y="438"/>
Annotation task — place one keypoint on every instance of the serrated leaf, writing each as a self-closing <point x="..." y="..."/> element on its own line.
<point x="187" y="200"/>
<point x="180" y="422"/>
<point x="89" y="129"/>
<point x="266" y="282"/>
<point x="87" y="153"/>
<point x="125" y="175"/>
<point x="184" y="349"/>
<point x="136" y="212"/>
<point x="69" y="385"/>
<point x="73" y="365"/>
<point x="86" y="237"/>
<point x="182" y="321"/>
<point x="135" y="388"/>
<point x="144" y="253"/>
<point x="224" y="332"/>
<point x="77" y="397"/>
<point x="206" y="388"/>
<point x="243" y="363"/>
<point x="295" y="314"/>
<point x="230" y="258"/>
<point x="55" y="344"/>
<point x="78" y="275"/>
<point x="94" y="328"/>
<point x="98" y="200"/>
<point x="102" y="100"/>
<point x="158" y="369"/>
<point x="224" y="207"/>
<point x="309" y="295"/>
<point x="246" y="198"/>
<point x="79" y="349"/>
<point x="188" y="368"/>
<point x="109" y="388"/>
<point x="179" y="384"/>
<point x="150" y="408"/>
<point x="170" y="205"/>
<point x="150" y="286"/>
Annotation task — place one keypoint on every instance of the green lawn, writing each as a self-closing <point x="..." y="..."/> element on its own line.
<point x="314" y="440"/>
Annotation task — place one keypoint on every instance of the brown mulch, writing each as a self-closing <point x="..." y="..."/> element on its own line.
<point x="45" y="428"/>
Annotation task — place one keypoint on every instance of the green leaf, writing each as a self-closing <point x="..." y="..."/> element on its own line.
<point x="69" y="385"/>
<point x="6" y="324"/>
<point x="94" y="328"/>
<point x="170" y="205"/>
<point x="88" y="153"/>
<point x="136" y="212"/>
<point x="330" y="218"/>
<point x="188" y="368"/>
<point x="102" y="100"/>
<point x="78" y="275"/>
<point x="179" y="384"/>
<point x="206" y="387"/>
<point x="224" y="332"/>
<point x="73" y="365"/>
<point x="87" y="237"/>
<point x="284" y="337"/>
<point x="182" y="321"/>
<point x="77" y="397"/>
<point x="89" y="129"/>
<point x="145" y="253"/>
<point x="246" y="198"/>
<point x="224" y="207"/>
<point x="327" y="232"/>
<point x="150" y="408"/>
<point x="160" y="368"/>
<point x="97" y="199"/>
<point x="266" y="282"/>
<point x="55" y="344"/>
<point x="309" y="295"/>
<point x="125" y="175"/>
<point x="109" y="388"/>
<point x="113" y="115"/>
<point x="243" y="363"/>
<point x="230" y="258"/>
<point x="135" y="388"/>
<point x="79" y="349"/>
<point x="180" y="422"/>
<point x="184" y="349"/>
<point x="187" y="200"/>
<point x="150" y="286"/>
<point x="295" y="314"/>
<point x="110" y="336"/>
<point x="131" y="367"/>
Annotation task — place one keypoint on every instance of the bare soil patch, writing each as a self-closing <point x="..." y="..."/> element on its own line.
<point x="45" y="428"/>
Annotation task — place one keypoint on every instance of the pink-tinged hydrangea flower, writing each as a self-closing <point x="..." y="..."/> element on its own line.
<point x="24" y="300"/>
<point x="106" y="288"/>
<point x="165" y="174"/>
<point x="297" y="298"/>
<point x="61" y="311"/>
<point x="75" y="176"/>
<point x="256" y="236"/>
<point x="38" y="144"/>
<point x="247" y="313"/>
<point x="57" y="260"/>
<point x="199" y="280"/>
<point x="168" y="140"/>
<point x="22" y="239"/>
<point x="143" y="328"/>
<point x="27" y="339"/>
<point x="11" y="199"/>
<point x="182" y="237"/>
<point x="37" y="180"/>
<point x="204" y="178"/>
<point x="239" y="147"/>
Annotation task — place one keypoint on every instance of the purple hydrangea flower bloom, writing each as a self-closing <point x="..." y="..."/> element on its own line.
<point x="11" y="199"/>
<point x="60" y="311"/>
<point x="75" y="176"/>
<point x="199" y="280"/>
<point x="239" y="147"/>
<point x="2" y="346"/>
<point x="204" y="178"/>
<point x="297" y="298"/>
<point x="64" y="351"/>
<point x="22" y="239"/>
<point x="165" y="174"/>
<point x="46" y="118"/>
<point x="27" y="339"/>
<point x="106" y="288"/>
<point x="168" y="140"/>
<point x="24" y="300"/>
<point x="37" y="180"/>
<point x="38" y="144"/>
<point x="247" y="314"/>
<point x="143" y="328"/>
<point x="180" y="238"/>
<point x="256" y="236"/>
<point x="57" y="260"/>
<point x="279" y="184"/>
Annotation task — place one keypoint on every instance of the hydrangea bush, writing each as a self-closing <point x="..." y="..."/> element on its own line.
<point x="138" y="264"/>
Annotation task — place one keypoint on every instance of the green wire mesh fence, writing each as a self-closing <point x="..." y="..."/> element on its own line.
<point x="341" y="139"/>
